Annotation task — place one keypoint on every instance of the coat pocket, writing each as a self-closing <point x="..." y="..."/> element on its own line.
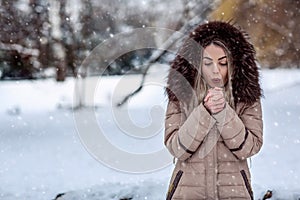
<point x="174" y="185"/>
<point x="247" y="184"/>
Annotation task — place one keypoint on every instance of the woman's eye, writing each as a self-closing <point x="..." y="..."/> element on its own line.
<point x="223" y="64"/>
<point x="207" y="64"/>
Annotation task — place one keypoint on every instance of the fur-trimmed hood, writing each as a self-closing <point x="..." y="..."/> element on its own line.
<point x="245" y="73"/>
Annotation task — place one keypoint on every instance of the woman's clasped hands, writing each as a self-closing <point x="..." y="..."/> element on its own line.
<point x="214" y="101"/>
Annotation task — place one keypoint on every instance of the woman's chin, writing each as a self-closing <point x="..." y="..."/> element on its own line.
<point x="213" y="85"/>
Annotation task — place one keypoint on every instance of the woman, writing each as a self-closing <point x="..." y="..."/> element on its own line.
<point x="214" y="118"/>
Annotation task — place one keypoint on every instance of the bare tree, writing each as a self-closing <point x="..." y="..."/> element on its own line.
<point x="40" y="33"/>
<point x="194" y="13"/>
<point x="27" y="27"/>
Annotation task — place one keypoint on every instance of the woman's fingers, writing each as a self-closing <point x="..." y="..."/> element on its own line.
<point x="214" y="93"/>
<point x="214" y="101"/>
<point x="215" y="106"/>
<point x="217" y="97"/>
<point x="207" y="97"/>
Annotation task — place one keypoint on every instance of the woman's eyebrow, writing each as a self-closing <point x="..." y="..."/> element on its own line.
<point x="207" y="58"/>
<point x="222" y="58"/>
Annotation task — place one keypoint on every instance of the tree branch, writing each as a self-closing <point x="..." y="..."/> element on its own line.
<point x="174" y="38"/>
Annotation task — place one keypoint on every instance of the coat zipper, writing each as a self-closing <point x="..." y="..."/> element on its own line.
<point x="247" y="184"/>
<point x="174" y="185"/>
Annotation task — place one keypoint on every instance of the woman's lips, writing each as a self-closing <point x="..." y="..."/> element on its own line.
<point x="216" y="80"/>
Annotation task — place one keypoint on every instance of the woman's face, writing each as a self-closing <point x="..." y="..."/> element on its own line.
<point x="214" y="66"/>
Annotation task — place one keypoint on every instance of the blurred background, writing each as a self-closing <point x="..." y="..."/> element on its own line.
<point x="41" y="38"/>
<point x="46" y="44"/>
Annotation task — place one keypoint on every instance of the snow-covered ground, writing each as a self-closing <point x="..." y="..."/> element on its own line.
<point x="41" y="154"/>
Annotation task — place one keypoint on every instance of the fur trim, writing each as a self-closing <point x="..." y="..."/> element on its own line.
<point x="245" y="73"/>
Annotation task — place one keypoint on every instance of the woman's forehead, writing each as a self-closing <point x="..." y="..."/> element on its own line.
<point x="214" y="51"/>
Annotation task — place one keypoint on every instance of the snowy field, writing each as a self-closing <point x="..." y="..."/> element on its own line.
<point x="41" y="154"/>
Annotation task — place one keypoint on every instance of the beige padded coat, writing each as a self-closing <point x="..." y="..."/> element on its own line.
<point x="211" y="151"/>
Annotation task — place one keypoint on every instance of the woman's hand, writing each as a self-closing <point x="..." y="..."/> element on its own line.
<point x="214" y="101"/>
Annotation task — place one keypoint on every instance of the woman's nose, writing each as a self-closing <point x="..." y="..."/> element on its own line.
<point x="215" y="69"/>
